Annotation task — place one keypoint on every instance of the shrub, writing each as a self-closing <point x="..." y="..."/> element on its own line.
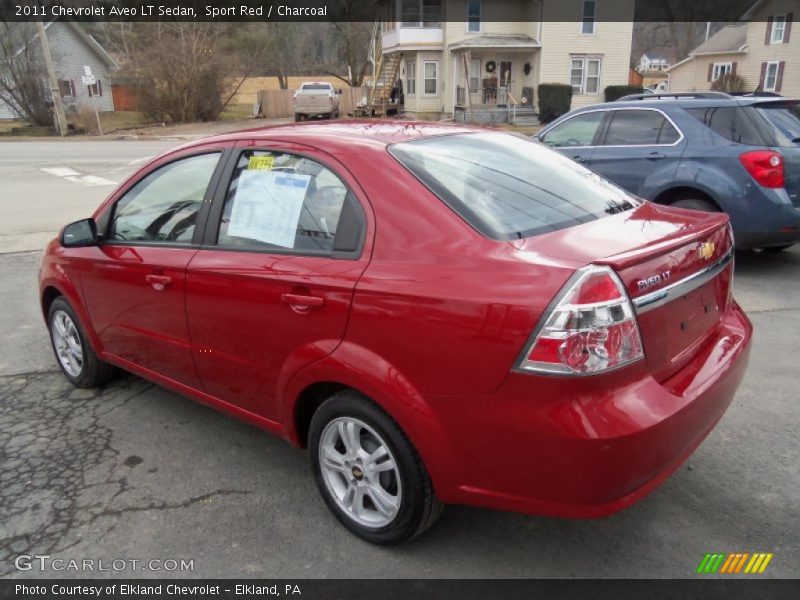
<point x="554" y="100"/>
<point x="729" y="82"/>
<point x="614" y="92"/>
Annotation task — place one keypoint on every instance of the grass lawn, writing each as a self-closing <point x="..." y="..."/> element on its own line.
<point x="9" y="124"/>
<point x="236" y="112"/>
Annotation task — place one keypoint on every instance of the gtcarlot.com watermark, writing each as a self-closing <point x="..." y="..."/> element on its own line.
<point x="45" y="562"/>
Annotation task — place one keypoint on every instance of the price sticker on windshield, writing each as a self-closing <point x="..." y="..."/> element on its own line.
<point x="260" y="163"/>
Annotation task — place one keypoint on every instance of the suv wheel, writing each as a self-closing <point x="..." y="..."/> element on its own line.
<point x="74" y="353"/>
<point x="368" y="472"/>
<point x="696" y="204"/>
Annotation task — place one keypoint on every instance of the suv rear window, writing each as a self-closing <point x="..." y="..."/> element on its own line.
<point x="783" y="121"/>
<point x="507" y="187"/>
<point x="730" y="122"/>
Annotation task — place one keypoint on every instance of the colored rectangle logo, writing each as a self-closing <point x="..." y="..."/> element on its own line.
<point x="733" y="563"/>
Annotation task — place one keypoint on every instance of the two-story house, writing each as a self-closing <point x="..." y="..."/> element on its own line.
<point x="72" y="50"/>
<point x="762" y="50"/>
<point x="474" y="59"/>
<point x="652" y="61"/>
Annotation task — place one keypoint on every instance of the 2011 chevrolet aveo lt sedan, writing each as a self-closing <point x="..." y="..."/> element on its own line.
<point x="440" y="314"/>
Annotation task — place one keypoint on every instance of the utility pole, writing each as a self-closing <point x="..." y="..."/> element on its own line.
<point x="61" y="120"/>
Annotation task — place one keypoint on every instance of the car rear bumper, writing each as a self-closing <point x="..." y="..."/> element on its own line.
<point x="774" y="224"/>
<point x="585" y="448"/>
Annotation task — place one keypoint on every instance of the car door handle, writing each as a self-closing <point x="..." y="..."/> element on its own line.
<point x="656" y="156"/>
<point x="159" y="282"/>
<point x="301" y="302"/>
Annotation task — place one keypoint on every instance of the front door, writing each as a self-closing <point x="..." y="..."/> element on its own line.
<point x="134" y="282"/>
<point x="270" y="291"/>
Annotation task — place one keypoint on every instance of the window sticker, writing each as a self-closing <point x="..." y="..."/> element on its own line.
<point x="260" y="163"/>
<point x="267" y="206"/>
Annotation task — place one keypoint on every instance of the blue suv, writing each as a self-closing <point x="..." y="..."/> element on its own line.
<point x="706" y="151"/>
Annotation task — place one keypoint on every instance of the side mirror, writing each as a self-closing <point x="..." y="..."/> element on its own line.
<point x="541" y="137"/>
<point x="80" y="233"/>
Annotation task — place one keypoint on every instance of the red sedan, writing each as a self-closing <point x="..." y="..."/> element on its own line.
<point x="441" y="314"/>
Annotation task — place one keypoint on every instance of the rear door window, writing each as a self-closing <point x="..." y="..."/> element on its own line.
<point x="784" y="121"/>
<point x="639" y="128"/>
<point x="577" y="131"/>
<point x="730" y="122"/>
<point x="280" y="201"/>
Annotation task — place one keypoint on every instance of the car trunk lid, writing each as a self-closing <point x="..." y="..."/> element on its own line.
<point x="675" y="265"/>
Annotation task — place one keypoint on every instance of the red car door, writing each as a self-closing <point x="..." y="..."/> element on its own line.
<point x="134" y="282"/>
<point x="270" y="291"/>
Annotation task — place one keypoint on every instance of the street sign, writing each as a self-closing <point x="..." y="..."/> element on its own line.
<point x="88" y="80"/>
<point x="87" y="70"/>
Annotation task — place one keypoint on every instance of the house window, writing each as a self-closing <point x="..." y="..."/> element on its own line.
<point x="474" y="75"/>
<point x="411" y="77"/>
<point x="778" y="30"/>
<point x="96" y="89"/>
<point x="431" y="73"/>
<point x="589" y="17"/>
<point x="473" y="16"/>
<point x="585" y="75"/>
<point x="771" y="77"/>
<point x="421" y="13"/>
<point x="720" y="69"/>
<point x="65" y="88"/>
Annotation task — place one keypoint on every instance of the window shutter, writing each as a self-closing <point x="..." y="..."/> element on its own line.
<point x="72" y="87"/>
<point x="710" y="71"/>
<point x="779" y="79"/>
<point x="763" y="76"/>
<point x="788" y="30"/>
<point x="89" y="89"/>
<point x="99" y="87"/>
<point x="768" y="35"/>
<point x="733" y="68"/>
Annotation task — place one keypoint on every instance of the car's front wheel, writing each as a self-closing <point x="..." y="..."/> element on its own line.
<point x="74" y="353"/>
<point x="368" y="472"/>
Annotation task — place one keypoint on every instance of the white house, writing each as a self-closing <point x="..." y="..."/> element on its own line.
<point x="73" y="49"/>
<point x="458" y="55"/>
<point x="652" y="61"/>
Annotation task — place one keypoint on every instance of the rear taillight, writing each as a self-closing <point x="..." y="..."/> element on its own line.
<point x="765" y="166"/>
<point x="592" y="328"/>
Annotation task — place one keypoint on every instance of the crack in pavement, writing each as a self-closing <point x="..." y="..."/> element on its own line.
<point x="53" y="448"/>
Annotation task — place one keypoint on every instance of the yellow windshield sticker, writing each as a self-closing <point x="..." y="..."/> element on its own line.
<point x="260" y="163"/>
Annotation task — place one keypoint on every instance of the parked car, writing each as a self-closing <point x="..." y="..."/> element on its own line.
<point x="316" y="99"/>
<point x="705" y="151"/>
<point x="440" y="314"/>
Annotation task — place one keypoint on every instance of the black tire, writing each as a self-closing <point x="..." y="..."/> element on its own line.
<point x="419" y="508"/>
<point x="776" y="249"/>
<point x="696" y="204"/>
<point x="92" y="372"/>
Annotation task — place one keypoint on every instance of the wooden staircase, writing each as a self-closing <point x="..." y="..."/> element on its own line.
<point x="385" y="69"/>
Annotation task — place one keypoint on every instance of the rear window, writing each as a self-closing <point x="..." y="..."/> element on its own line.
<point x="310" y="87"/>
<point x="508" y="187"/>
<point x="784" y="122"/>
<point x="730" y="122"/>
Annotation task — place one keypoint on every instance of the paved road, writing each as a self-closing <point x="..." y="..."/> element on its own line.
<point x="137" y="472"/>
<point x="48" y="184"/>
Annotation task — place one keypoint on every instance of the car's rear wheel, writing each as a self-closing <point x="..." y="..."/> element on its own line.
<point x="368" y="473"/>
<point x="74" y="353"/>
<point x="696" y="204"/>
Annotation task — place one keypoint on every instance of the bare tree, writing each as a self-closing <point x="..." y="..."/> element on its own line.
<point x="23" y="81"/>
<point x="183" y="71"/>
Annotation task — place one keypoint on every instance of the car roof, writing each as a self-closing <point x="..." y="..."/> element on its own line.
<point x="690" y="102"/>
<point x="341" y="134"/>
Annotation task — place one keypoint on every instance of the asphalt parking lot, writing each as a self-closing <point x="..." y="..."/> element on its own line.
<point x="136" y="472"/>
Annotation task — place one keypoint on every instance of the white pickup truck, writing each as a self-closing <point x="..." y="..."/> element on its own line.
<point x="316" y="99"/>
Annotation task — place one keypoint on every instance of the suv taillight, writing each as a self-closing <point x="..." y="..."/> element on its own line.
<point x="592" y="328"/>
<point x="765" y="166"/>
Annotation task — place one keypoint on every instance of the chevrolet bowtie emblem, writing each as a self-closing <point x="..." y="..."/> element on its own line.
<point x="706" y="250"/>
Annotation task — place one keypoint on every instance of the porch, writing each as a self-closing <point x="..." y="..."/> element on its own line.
<point x="495" y="76"/>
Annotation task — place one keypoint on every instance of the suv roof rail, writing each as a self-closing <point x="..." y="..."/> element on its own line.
<point x="678" y="96"/>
